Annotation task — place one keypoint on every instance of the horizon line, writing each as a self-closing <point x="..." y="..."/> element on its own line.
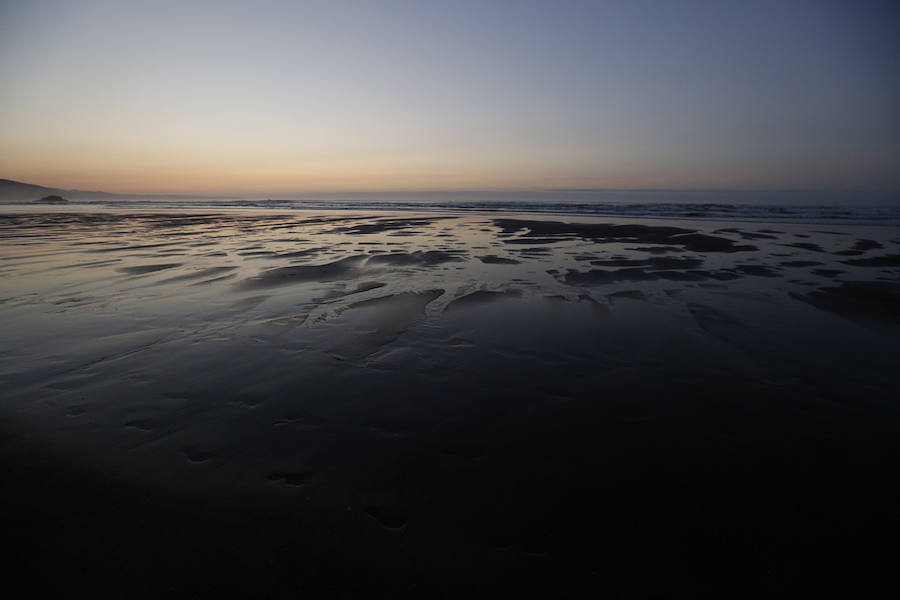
<point x="509" y="189"/>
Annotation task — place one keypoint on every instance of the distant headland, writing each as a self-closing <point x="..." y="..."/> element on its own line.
<point x="17" y="191"/>
<point x="52" y="199"/>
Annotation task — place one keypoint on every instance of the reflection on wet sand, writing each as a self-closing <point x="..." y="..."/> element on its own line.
<point x="446" y="399"/>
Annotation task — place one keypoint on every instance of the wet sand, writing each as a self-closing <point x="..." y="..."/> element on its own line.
<point x="418" y="404"/>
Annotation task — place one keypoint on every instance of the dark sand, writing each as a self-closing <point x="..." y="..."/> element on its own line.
<point x="412" y="405"/>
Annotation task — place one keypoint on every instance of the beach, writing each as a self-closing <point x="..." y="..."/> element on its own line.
<point x="419" y="402"/>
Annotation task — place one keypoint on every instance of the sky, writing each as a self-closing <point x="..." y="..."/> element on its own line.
<point x="289" y="96"/>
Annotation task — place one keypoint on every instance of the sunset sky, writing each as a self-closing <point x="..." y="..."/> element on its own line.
<point x="280" y="96"/>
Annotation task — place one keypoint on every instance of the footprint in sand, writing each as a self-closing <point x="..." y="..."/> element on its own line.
<point x="196" y="455"/>
<point x="387" y="517"/>
<point x="290" y="479"/>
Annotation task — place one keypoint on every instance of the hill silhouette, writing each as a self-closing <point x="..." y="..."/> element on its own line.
<point x="16" y="191"/>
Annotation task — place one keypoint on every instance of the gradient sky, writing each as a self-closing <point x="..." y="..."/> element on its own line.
<point x="278" y="96"/>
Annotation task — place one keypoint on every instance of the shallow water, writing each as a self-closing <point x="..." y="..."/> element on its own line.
<point x="776" y="206"/>
<point x="412" y="402"/>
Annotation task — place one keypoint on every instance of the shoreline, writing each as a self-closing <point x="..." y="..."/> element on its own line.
<point x="887" y="215"/>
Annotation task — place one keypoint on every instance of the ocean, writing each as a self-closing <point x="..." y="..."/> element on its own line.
<point x="784" y="206"/>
